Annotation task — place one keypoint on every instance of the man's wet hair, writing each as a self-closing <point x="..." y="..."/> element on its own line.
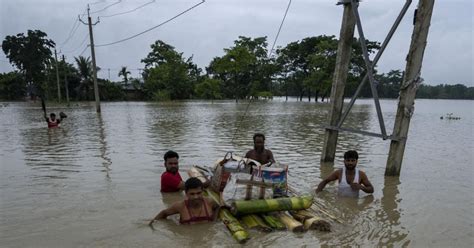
<point x="258" y="135"/>
<point x="351" y="154"/>
<point x="170" y="154"/>
<point x="52" y="114"/>
<point x="192" y="183"/>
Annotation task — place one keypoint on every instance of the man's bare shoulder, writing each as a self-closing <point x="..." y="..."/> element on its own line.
<point x="178" y="205"/>
<point x="209" y="201"/>
<point x="250" y="153"/>
<point x="362" y="173"/>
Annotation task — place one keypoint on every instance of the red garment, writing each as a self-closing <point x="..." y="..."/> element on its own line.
<point x="170" y="182"/>
<point x="194" y="219"/>
<point x="54" y="123"/>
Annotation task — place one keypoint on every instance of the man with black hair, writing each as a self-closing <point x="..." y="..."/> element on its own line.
<point x="259" y="153"/>
<point x="171" y="180"/>
<point x="350" y="179"/>
<point x="52" y="121"/>
<point x="194" y="209"/>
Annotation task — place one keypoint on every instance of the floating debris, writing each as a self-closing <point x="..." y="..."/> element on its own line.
<point x="450" y="116"/>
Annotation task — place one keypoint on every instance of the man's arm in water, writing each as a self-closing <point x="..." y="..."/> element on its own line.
<point x="334" y="176"/>
<point x="364" y="185"/>
<point x="270" y="156"/>
<point x="174" y="209"/>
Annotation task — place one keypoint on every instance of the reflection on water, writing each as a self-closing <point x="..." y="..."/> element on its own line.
<point x="390" y="214"/>
<point x="94" y="181"/>
<point x="103" y="146"/>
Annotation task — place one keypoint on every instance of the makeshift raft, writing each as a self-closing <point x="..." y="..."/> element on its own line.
<point x="265" y="214"/>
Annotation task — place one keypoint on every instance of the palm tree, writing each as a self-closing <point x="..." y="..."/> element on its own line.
<point x="84" y="66"/>
<point x="124" y="73"/>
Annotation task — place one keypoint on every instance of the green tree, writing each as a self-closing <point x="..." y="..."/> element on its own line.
<point x="124" y="73"/>
<point x="389" y="84"/>
<point x="168" y="76"/>
<point x="445" y="91"/>
<point x="12" y="86"/>
<point x="31" y="54"/>
<point x="84" y="67"/>
<point x="357" y="68"/>
<point x="209" y="88"/>
<point x="245" y="70"/>
<point x="65" y="69"/>
<point x="308" y="65"/>
<point x="110" y="91"/>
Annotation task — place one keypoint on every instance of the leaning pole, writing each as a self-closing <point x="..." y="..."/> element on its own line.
<point x="339" y="81"/>
<point x="410" y="83"/>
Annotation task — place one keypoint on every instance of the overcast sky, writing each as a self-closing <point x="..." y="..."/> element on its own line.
<point x="212" y="26"/>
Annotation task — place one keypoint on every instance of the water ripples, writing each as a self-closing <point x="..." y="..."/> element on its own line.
<point x="109" y="164"/>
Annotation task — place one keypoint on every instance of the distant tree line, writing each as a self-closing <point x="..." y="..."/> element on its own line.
<point x="246" y="70"/>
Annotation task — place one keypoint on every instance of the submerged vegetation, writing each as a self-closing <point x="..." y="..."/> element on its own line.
<point x="301" y="68"/>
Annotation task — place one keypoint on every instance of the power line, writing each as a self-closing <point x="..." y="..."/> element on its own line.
<point x="71" y="33"/>
<point x="85" y="48"/>
<point x="129" y="11"/>
<point x="159" y="25"/>
<point x="106" y="7"/>
<point x="98" y="2"/>
<point x="74" y="28"/>
<point x="82" y="43"/>
<point x="279" y="29"/>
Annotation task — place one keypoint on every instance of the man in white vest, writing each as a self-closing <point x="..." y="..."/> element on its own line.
<point x="351" y="180"/>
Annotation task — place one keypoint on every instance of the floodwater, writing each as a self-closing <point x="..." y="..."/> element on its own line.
<point x="95" y="181"/>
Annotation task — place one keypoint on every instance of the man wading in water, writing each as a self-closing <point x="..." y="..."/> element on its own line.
<point x="171" y="179"/>
<point x="52" y="121"/>
<point x="350" y="179"/>
<point x="259" y="153"/>
<point x="194" y="209"/>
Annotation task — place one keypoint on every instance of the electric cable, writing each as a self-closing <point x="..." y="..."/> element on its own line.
<point x="148" y="30"/>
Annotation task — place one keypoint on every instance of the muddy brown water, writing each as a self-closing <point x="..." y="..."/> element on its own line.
<point x="95" y="181"/>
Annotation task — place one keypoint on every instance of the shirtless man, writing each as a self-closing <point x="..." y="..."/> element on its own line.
<point x="259" y="153"/>
<point x="194" y="209"/>
<point x="351" y="180"/>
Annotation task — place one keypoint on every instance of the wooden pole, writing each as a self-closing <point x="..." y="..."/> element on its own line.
<point x="410" y="83"/>
<point x="65" y="80"/>
<point x="57" y="75"/>
<point x="94" y="67"/>
<point x="339" y="80"/>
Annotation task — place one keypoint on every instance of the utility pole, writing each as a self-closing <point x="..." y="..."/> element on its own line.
<point x="65" y="80"/>
<point x="410" y="83"/>
<point x="339" y="81"/>
<point x="57" y="75"/>
<point x="94" y="67"/>
<point x="109" y="73"/>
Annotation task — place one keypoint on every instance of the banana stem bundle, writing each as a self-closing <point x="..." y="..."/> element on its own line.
<point x="240" y="207"/>
<point x="254" y="221"/>
<point x="273" y="222"/>
<point x="311" y="221"/>
<point x="290" y="223"/>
